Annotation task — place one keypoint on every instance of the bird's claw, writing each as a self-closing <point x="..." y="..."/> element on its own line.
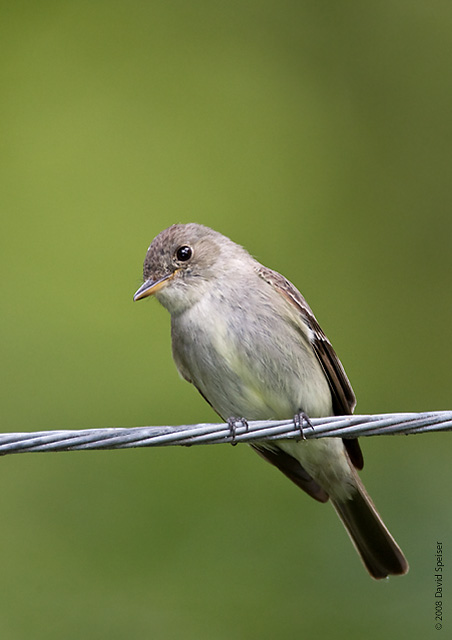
<point x="232" y="422"/>
<point x="298" y="420"/>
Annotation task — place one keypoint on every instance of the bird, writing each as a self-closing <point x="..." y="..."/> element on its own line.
<point x="246" y="338"/>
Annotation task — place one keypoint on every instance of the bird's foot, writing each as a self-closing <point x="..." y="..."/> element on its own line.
<point x="298" y="420"/>
<point x="232" y="422"/>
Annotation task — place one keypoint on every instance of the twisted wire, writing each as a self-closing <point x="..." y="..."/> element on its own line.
<point x="217" y="433"/>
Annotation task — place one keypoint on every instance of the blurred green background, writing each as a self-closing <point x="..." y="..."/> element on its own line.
<point x="319" y="136"/>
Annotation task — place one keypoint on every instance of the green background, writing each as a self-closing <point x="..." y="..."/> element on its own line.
<point x="319" y="136"/>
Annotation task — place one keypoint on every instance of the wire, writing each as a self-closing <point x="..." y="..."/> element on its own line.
<point x="238" y="431"/>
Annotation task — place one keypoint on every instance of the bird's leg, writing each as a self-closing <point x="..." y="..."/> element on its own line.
<point x="232" y="422"/>
<point x="298" y="420"/>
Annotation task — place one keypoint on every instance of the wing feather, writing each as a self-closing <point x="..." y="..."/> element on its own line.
<point x="344" y="400"/>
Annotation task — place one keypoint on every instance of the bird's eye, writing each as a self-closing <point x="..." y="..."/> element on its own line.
<point x="184" y="253"/>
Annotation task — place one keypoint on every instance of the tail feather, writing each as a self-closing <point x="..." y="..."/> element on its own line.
<point x="379" y="551"/>
<point x="325" y="471"/>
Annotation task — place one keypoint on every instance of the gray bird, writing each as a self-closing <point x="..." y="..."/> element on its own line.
<point x="245" y="337"/>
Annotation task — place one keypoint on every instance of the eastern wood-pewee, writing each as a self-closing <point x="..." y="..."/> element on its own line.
<point x="248" y="341"/>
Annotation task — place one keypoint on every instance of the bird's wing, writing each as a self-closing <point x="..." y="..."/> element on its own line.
<point x="344" y="400"/>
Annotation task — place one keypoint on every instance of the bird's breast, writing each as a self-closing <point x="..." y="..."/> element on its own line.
<point x="248" y="362"/>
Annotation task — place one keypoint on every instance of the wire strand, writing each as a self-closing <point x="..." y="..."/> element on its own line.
<point x="218" y="433"/>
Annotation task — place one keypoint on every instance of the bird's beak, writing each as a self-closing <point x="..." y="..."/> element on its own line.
<point x="150" y="287"/>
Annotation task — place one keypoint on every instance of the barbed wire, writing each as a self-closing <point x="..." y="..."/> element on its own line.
<point x="217" y="433"/>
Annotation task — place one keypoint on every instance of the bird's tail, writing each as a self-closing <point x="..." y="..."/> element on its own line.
<point x="379" y="551"/>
